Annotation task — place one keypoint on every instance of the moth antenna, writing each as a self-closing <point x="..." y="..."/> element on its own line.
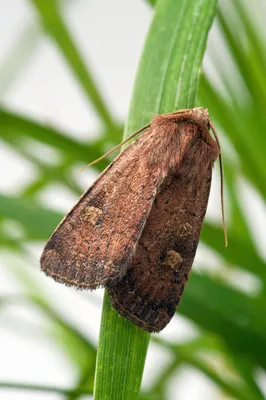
<point x="222" y="183"/>
<point x="116" y="147"/>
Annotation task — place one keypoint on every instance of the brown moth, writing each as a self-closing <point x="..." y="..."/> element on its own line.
<point x="136" y="229"/>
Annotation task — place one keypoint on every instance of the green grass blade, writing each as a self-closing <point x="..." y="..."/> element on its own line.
<point x="212" y="305"/>
<point x="53" y="22"/>
<point x="249" y="71"/>
<point x="238" y="130"/>
<point x="239" y="252"/>
<point x="72" y="341"/>
<point x="16" y="125"/>
<point x="18" y="57"/>
<point x="169" y="68"/>
<point x="123" y="347"/>
<point x="152" y="2"/>
<point x="167" y="79"/>
<point x="238" y="223"/>
<point x="185" y="356"/>
<point x="23" y="387"/>
<point x="14" y="128"/>
<point x="235" y="317"/>
<point x="37" y="222"/>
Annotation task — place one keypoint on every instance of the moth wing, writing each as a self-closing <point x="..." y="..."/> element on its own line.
<point x="94" y="243"/>
<point x="150" y="291"/>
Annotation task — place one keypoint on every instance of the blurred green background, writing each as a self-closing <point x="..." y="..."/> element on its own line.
<point x="216" y="347"/>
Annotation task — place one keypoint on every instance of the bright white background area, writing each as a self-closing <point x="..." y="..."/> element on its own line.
<point x="110" y="36"/>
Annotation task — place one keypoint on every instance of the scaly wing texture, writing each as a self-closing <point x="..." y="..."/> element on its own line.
<point x="94" y="243"/>
<point x="150" y="291"/>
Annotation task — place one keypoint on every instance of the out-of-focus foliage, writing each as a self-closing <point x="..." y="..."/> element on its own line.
<point x="230" y="348"/>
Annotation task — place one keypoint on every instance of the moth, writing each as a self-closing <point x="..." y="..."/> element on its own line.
<point x="135" y="231"/>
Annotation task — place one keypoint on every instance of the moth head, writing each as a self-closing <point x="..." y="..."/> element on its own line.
<point x="200" y="116"/>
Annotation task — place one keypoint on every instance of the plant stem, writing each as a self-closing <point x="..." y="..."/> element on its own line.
<point x="121" y="354"/>
<point x="167" y="80"/>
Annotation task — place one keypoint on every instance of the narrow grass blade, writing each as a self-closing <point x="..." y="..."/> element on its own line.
<point x="53" y="22"/>
<point x="238" y="319"/>
<point x="23" y="387"/>
<point x="166" y="80"/>
<point x="38" y="222"/>
<point x="123" y="346"/>
<point x="16" y="127"/>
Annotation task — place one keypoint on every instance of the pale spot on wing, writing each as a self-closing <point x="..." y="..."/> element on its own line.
<point x="173" y="260"/>
<point x="91" y="215"/>
<point x="186" y="230"/>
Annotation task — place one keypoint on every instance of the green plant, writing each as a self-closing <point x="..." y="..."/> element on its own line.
<point x="230" y="344"/>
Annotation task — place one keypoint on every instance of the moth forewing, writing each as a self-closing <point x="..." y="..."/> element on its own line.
<point x="95" y="241"/>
